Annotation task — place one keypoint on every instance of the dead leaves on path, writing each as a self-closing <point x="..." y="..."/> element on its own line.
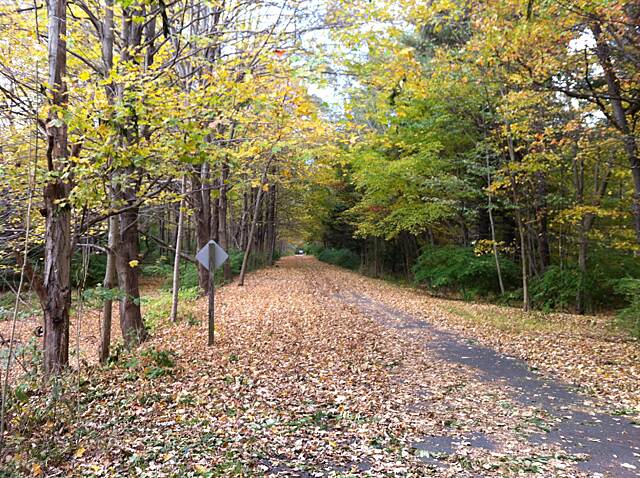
<point x="298" y="384"/>
<point x="585" y="351"/>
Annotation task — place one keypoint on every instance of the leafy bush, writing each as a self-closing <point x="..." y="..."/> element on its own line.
<point x="157" y="269"/>
<point x="95" y="269"/>
<point x="557" y="288"/>
<point x="629" y="317"/>
<point x="313" y="249"/>
<point x="340" y="257"/>
<point x="188" y="276"/>
<point x="235" y="258"/>
<point x="455" y="268"/>
<point x="159" y="362"/>
<point x="157" y="309"/>
<point x="614" y="265"/>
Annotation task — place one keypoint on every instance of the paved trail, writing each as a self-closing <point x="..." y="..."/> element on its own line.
<point x="612" y="444"/>
<point x="319" y="372"/>
<point x="599" y="444"/>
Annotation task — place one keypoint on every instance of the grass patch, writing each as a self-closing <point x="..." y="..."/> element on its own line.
<point x="514" y="323"/>
<point x="157" y="309"/>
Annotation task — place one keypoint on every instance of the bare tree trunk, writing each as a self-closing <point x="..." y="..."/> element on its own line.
<point x="109" y="283"/>
<point x="526" y="303"/>
<point x="127" y="255"/>
<point x="127" y="247"/>
<point x="243" y="219"/>
<point x="493" y="233"/>
<point x="542" y="236"/>
<point x="214" y="220"/>
<point x="272" y="225"/>
<point x="202" y="196"/>
<point x="57" y="255"/>
<point x="256" y="212"/>
<point x="176" y="261"/>
<point x="223" y="229"/>
<point x="186" y="232"/>
<point x="583" y="243"/>
<point x="110" y="272"/>
<point x="586" y="223"/>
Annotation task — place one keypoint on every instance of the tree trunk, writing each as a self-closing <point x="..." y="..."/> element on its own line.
<point x="243" y="219"/>
<point x="273" y="221"/>
<point x="57" y="267"/>
<point x="223" y="229"/>
<point x="131" y="324"/>
<point x="256" y="212"/>
<point x="582" y="299"/>
<point x="526" y="303"/>
<point x="492" y="227"/>
<point x="542" y="236"/>
<point x="110" y="272"/>
<point x="57" y="254"/>
<point x="620" y="122"/>
<point x="176" y="261"/>
<point x="127" y="247"/>
<point x="214" y="220"/>
<point x="202" y="196"/>
<point x="109" y="283"/>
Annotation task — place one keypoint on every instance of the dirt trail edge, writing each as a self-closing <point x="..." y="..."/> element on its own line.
<point x="612" y="444"/>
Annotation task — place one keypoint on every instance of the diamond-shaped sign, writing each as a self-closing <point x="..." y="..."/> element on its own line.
<point x="220" y="255"/>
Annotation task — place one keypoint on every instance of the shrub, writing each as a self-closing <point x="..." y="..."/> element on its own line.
<point x="158" y="362"/>
<point x="95" y="269"/>
<point x="455" y="268"/>
<point x="235" y="258"/>
<point x="157" y="309"/>
<point x="557" y="288"/>
<point x="313" y="249"/>
<point x="629" y="317"/>
<point x="188" y="276"/>
<point x="340" y="257"/>
<point x="157" y="269"/>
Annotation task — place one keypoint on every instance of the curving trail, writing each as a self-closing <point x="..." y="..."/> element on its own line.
<point x="321" y="372"/>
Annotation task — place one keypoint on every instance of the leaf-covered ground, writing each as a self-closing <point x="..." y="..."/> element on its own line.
<point x="302" y="383"/>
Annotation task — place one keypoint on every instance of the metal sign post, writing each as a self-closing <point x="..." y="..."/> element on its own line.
<point x="212" y="294"/>
<point x="211" y="256"/>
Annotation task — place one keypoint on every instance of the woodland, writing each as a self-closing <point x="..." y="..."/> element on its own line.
<point x="483" y="155"/>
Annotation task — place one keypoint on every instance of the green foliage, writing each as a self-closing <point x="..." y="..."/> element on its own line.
<point x="557" y="288"/>
<point x="611" y="266"/>
<point x="157" y="269"/>
<point x="629" y="317"/>
<point x="158" y="362"/>
<point x="458" y="269"/>
<point x="7" y="304"/>
<point x="605" y="285"/>
<point x="157" y="309"/>
<point x="189" y="271"/>
<point x="313" y="249"/>
<point x="340" y="257"/>
<point x="95" y="270"/>
<point x="94" y="297"/>
<point x="188" y="276"/>
<point x="235" y="258"/>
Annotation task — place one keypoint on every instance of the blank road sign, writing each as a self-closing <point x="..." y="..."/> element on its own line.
<point x="220" y="255"/>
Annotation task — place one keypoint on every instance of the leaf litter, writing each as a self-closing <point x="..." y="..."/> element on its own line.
<point x="297" y="384"/>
